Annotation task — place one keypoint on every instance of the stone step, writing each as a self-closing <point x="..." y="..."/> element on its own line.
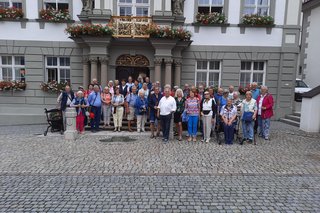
<point x="123" y="128"/>
<point x="293" y="117"/>
<point x="290" y="122"/>
<point x="297" y="114"/>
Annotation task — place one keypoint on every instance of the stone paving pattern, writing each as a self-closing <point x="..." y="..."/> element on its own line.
<point x="47" y="174"/>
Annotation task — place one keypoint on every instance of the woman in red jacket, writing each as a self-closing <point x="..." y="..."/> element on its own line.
<point x="265" y="112"/>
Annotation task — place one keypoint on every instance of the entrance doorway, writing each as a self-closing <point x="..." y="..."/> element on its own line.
<point x="134" y="72"/>
<point x="132" y="65"/>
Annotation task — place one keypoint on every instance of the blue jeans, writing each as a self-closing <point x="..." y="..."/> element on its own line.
<point x="97" y="116"/>
<point x="193" y="125"/>
<point x="264" y="127"/>
<point x="228" y="133"/>
<point x="247" y="128"/>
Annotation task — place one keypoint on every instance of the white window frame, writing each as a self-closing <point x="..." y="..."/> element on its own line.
<point x="12" y="1"/>
<point x="210" y="5"/>
<point x="208" y="71"/>
<point x="57" y="3"/>
<point x="252" y="71"/>
<point x="13" y="66"/>
<point x="134" y="6"/>
<point x="255" y="6"/>
<point x="58" y="67"/>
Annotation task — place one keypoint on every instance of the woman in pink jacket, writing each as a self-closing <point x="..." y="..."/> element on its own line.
<point x="265" y="112"/>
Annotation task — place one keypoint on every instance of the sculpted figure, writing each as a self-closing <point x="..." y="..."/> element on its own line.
<point x="178" y="7"/>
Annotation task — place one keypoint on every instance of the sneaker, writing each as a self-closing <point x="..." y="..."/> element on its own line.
<point x="202" y="140"/>
<point x="266" y="138"/>
<point x="165" y="141"/>
<point x="143" y="130"/>
<point x="194" y="139"/>
<point x="242" y="141"/>
<point x="119" y="130"/>
<point x="208" y="140"/>
<point x="115" y="129"/>
<point x="138" y="130"/>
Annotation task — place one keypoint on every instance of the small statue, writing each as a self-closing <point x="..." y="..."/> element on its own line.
<point x="87" y="5"/>
<point x="178" y="7"/>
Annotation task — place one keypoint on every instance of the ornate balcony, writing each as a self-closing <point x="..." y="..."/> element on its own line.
<point x="131" y="26"/>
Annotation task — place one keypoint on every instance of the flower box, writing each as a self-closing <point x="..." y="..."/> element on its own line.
<point x="211" y="18"/>
<point x="52" y="15"/>
<point x="169" y="33"/>
<point x="89" y="30"/>
<point x="257" y="20"/>
<point x="12" y="85"/>
<point x="11" y="13"/>
<point x="53" y="86"/>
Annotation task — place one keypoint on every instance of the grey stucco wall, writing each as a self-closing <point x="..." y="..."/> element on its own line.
<point x="35" y="52"/>
<point x="280" y="69"/>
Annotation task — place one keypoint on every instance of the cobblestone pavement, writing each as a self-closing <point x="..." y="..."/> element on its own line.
<point x="48" y="174"/>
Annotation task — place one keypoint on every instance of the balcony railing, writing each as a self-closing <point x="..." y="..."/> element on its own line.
<point x="131" y="26"/>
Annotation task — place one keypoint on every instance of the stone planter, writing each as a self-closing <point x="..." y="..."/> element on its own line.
<point x="223" y="26"/>
<point x="267" y="27"/>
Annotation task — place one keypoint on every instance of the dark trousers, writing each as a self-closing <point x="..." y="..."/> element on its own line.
<point x="165" y="124"/>
<point x="228" y="133"/>
<point x="97" y="116"/>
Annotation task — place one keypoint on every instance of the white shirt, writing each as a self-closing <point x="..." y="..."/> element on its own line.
<point x="167" y="105"/>
<point x="228" y="113"/>
<point x="260" y="104"/>
<point x="230" y="96"/>
<point x="207" y="106"/>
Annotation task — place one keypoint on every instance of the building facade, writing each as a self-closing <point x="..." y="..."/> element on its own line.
<point x="221" y="54"/>
<point x="310" y="46"/>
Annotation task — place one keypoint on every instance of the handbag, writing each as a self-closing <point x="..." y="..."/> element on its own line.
<point x="247" y="116"/>
<point x="206" y="112"/>
<point x="185" y="116"/>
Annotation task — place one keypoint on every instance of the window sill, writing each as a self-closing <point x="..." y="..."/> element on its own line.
<point x="43" y="21"/>
<point x="267" y="27"/>
<point x="223" y="26"/>
<point x="23" y="21"/>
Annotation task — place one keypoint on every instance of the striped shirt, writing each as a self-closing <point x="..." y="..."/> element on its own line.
<point x="192" y="106"/>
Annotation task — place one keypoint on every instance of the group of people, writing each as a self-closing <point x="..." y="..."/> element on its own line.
<point x="201" y="108"/>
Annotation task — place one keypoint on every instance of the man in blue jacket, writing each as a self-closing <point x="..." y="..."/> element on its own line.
<point x="94" y="101"/>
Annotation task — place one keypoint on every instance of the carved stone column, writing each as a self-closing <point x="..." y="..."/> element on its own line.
<point x="157" y="69"/>
<point x="168" y="72"/>
<point x="71" y="132"/>
<point x="94" y="68"/>
<point x="177" y="73"/>
<point x="85" y="70"/>
<point x="104" y="71"/>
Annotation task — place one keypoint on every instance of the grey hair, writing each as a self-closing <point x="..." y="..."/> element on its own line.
<point x="236" y="93"/>
<point x="263" y="86"/>
<point x="167" y="86"/>
<point x="141" y="91"/>
<point x="177" y="91"/>
<point x="96" y="86"/>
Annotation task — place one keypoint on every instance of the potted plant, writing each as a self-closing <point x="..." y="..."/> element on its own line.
<point x="11" y="13"/>
<point x="53" y="86"/>
<point x="211" y="19"/>
<point x="52" y="15"/>
<point x="89" y="30"/>
<point x="12" y="85"/>
<point x="257" y="20"/>
<point x="169" y="33"/>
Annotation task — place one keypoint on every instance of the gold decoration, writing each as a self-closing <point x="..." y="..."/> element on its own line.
<point x="132" y="61"/>
<point x="131" y="27"/>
